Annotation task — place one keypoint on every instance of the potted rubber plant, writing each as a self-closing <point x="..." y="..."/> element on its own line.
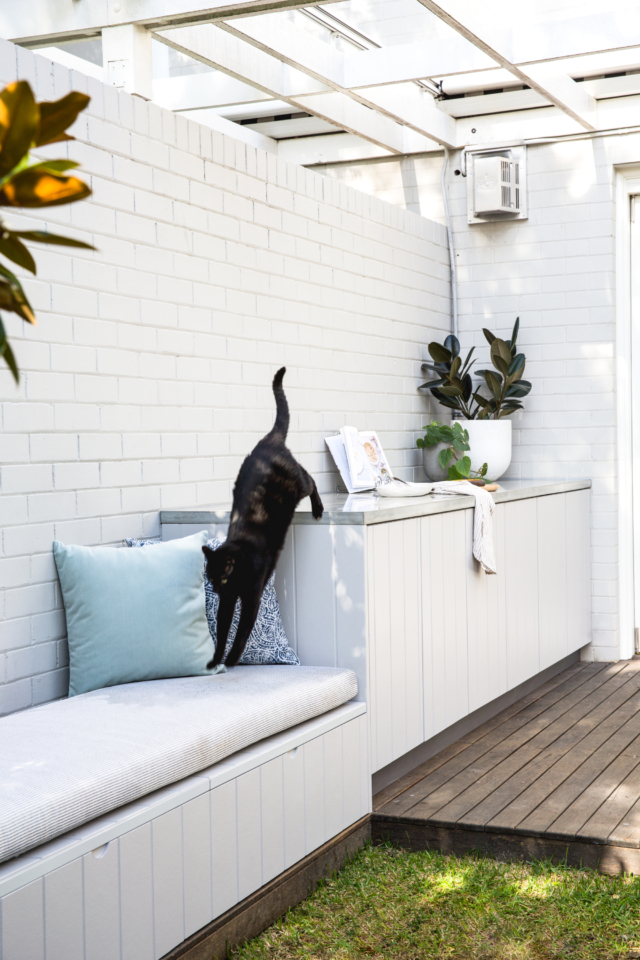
<point x="487" y="407"/>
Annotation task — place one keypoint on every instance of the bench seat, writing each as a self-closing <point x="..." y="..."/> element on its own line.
<point x="66" y="763"/>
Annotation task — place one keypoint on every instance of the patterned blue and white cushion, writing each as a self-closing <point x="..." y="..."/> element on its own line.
<point x="268" y="642"/>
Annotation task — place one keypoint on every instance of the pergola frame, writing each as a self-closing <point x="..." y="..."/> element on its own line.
<point x="382" y="95"/>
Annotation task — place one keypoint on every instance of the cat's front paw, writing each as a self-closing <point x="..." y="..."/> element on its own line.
<point x="317" y="509"/>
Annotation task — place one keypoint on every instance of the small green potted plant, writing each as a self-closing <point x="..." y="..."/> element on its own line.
<point x="486" y="414"/>
<point x="444" y="452"/>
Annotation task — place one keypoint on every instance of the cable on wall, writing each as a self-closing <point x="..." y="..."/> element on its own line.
<point x="452" y="253"/>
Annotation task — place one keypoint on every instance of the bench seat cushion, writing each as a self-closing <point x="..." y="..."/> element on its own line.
<point x="64" y="763"/>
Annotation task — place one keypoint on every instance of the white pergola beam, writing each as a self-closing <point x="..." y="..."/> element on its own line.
<point x="281" y="40"/>
<point x="126" y="57"/>
<point x="243" y="61"/>
<point x="413" y="61"/>
<point x="35" y="22"/>
<point x="561" y="91"/>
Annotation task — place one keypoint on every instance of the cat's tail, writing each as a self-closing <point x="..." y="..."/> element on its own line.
<point x="281" y="426"/>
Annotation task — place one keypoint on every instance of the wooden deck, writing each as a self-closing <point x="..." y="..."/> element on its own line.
<point x="556" y="774"/>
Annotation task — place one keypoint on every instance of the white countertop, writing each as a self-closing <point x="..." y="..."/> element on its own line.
<point x="365" y="508"/>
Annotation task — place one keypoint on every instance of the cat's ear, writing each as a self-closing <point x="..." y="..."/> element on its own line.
<point x="208" y="552"/>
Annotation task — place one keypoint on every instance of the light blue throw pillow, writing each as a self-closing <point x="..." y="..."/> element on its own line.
<point x="267" y="643"/>
<point x="134" y="614"/>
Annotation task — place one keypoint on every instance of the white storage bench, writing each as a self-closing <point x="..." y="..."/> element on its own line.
<point x="136" y="881"/>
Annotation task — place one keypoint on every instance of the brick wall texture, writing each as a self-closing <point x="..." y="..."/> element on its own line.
<point x="555" y="271"/>
<point x="147" y="379"/>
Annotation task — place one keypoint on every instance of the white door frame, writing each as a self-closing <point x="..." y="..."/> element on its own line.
<point x="627" y="185"/>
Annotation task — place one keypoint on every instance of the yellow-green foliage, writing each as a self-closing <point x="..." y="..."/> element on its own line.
<point x="25" y="124"/>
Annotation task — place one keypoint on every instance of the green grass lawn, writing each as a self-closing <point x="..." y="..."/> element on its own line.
<point x="393" y="905"/>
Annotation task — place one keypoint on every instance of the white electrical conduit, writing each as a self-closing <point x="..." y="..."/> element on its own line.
<point x="452" y="253"/>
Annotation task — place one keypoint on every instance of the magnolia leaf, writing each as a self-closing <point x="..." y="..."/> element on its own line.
<point x="453" y="345"/>
<point x="439" y="353"/>
<point x="514" y="335"/>
<point x="14" y="250"/>
<point x="40" y="236"/>
<point x="18" y="124"/>
<point x="490" y="337"/>
<point x="468" y="387"/>
<point x="57" y="115"/>
<point x="13" y="297"/>
<point x="7" y="353"/>
<point x="455" y="366"/>
<point x="31" y="188"/>
<point x="54" y="166"/>
<point x="480" y="400"/>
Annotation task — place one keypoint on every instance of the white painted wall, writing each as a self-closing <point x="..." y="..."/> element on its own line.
<point x="147" y="378"/>
<point x="556" y="271"/>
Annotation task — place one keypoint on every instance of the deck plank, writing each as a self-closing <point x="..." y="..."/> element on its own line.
<point x="490" y="809"/>
<point x="555" y="774"/>
<point x="465" y="770"/>
<point x="617" y="805"/>
<point x="580" y="780"/>
<point x="576" y="686"/>
<point x="479" y="803"/>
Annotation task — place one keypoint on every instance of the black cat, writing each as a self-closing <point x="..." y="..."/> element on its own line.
<point x="267" y="490"/>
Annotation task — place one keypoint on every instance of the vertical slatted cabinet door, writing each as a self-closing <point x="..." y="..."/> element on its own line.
<point x="444" y="573"/>
<point x="294" y="814"/>
<point x="102" y="902"/>
<point x="553" y="578"/>
<point x="168" y="881"/>
<point x="314" y="821"/>
<point x="578" y="550"/>
<point x="249" y="833"/>
<point x="521" y="569"/>
<point x="407" y="709"/>
<point x="63" y="913"/>
<point x="136" y="894"/>
<point x="486" y="626"/>
<point x="224" y="848"/>
<point x="334" y="785"/>
<point x="272" y="815"/>
<point x="379" y="608"/>
<point x="355" y="771"/>
<point x="196" y="849"/>
<point x="22" y="923"/>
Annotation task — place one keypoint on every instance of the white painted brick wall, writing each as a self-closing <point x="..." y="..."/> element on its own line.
<point x="147" y="379"/>
<point x="556" y="271"/>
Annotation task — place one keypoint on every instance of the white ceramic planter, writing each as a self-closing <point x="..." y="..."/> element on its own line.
<point x="490" y="443"/>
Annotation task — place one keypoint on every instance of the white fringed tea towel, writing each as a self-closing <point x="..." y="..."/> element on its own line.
<point x="482" y="525"/>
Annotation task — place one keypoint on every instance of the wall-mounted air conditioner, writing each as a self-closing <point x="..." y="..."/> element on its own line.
<point x="496" y="184"/>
